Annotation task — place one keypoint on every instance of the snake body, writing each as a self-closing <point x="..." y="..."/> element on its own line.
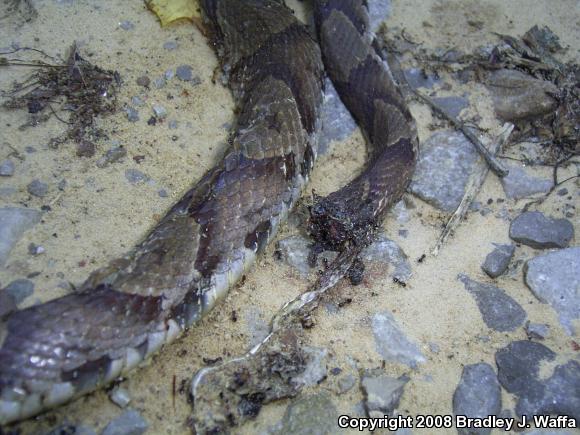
<point x="124" y="312"/>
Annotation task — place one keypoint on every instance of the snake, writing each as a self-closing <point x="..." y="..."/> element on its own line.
<point x="126" y="311"/>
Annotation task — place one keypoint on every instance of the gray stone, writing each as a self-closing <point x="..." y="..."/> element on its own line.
<point x="126" y="25"/>
<point x="135" y="176"/>
<point x="120" y="397"/>
<point x="452" y="105"/>
<point x="379" y="11"/>
<point x="417" y="78"/>
<point x="184" y="72"/>
<point x="537" y="331"/>
<point x="159" y="82"/>
<point x="554" y="278"/>
<point x="7" y="303"/>
<point x="337" y="122"/>
<point x="310" y="415"/>
<point x="132" y="114"/>
<point x="169" y="74"/>
<point x="498" y="260"/>
<point x="519" y="373"/>
<point x="128" y="423"/>
<point x="258" y="329"/>
<point x="316" y="367"/>
<point x="478" y="395"/>
<point x="386" y="251"/>
<point x="534" y="229"/>
<point x="382" y="393"/>
<point x="172" y="124"/>
<point x="6" y="168"/>
<point x="294" y="251"/>
<point x="137" y="101"/>
<point x="392" y="343"/>
<point x="159" y="111"/>
<point x="13" y="223"/>
<point x="20" y="289"/>
<point x="346" y="383"/>
<point x="519" y="184"/>
<point x="111" y="156"/>
<point x="170" y="45"/>
<point x="443" y="169"/>
<point x="162" y="193"/>
<point x="37" y="188"/>
<point x="499" y="310"/>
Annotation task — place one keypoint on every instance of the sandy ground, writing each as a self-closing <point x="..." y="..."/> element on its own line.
<point x="100" y="215"/>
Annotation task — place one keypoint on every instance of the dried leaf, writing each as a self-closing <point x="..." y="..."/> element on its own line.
<point x="171" y="10"/>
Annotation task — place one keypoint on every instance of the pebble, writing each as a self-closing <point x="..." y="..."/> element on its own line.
<point x="169" y="74"/>
<point x="37" y="188"/>
<point x="257" y="328"/>
<point x="382" y="393"/>
<point x="478" y="395"/>
<point x="144" y="81"/>
<point x="162" y="193"/>
<point x="519" y="373"/>
<point x="417" y="78"/>
<point x="7" y="168"/>
<point x="13" y="223"/>
<point x="128" y="423"/>
<point x="445" y="163"/>
<point x="184" y="72"/>
<point x="120" y="397"/>
<point x="172" y="124"/>
<point x="452" y="105"/>
<point x="537" y="331"/>
<point x="346" y="383"/>
<point x="519" y="184"/>
<point x="159" y="111"/>
<point x="392" y="343"/>
<point x="316" y="367"/>
<point x="499" y="310"/>
<point x="34" y="249"/>
<point x="386" y="251"/>
<point x="137" y="101"/>
<point x="132" y="114"/>
<point x="310" y="415"/>
<point x="170" y="45"/>
<point x="562" y="192"/>
<point x="554" y="278"/>
<point x="534" y="229"/>
<point x="159" y="82"/>
<point x="126" y="25"/>
<point x="111" y="156"/>
<point x="337" y="122"/>
<point x="497" y="261"/>
<point x="135" y="176"/>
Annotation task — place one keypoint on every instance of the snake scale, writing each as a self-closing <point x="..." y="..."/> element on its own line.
<point x="56" y="351"/>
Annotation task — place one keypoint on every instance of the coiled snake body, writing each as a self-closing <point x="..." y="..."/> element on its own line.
<point x="124" y="312"/>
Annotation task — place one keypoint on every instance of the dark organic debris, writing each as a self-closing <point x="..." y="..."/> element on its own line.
<point x="76" y="86"/>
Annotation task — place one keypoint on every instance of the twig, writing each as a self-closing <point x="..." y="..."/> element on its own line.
<point x="493" y="163"/>
<point x="474" y="185"/>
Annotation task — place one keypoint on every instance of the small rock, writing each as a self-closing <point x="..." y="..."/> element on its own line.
<point x="392" y="343"/>
<point x="128" y="423"/>
<point x="159" y="111"/>
<point x="517" y="95"/>
<point x="135" y="176"/>
<point x="310" y="415"/>
<point x="519" y="184"/>
<point x="37" y="188"/>
<point x="30" y="149"/>
<point x="137" y="101"/>
<point x="159" y="82"/>
<point x="554" y="278"/>
<point x="132" y="114"/>
<point x="499" y="311"/>
<point x="172" y="124"/>
<point x="443" y="169"/>
<point x="562" y="192"/>
<point x="258" y="329"/>
<point x="170" y="45"/>
<point x="7" y="303"/>
<point x="498" y="260"/>
<point x="434" y="347"/>
<point x="184" y="72"/>
<point x="346" y="383"/>
<point x="13" y="223"/>
<point x="111" y="156"/>
<point x="537" y="331"/>
<point x="337" y="122"/>
<point x="478" y="395"/>
<point x="519" y="373"/>
<point x="162" y="193"/>
<point x="120" y="397"/>
<point x="126" y="25"/>
<point x="35" y="249"/>
<point x="316" y="367"/>
<point x="61" y="185"/>
<point x="417" y="78"/>
<point x="144" y="81"/>
<point x="169" y="74"/>
<point x="294" y="251"/>
<point x="534" y="229"/>
<point x="382" y="393"/>
<point x="386" y="251"/>
<point x="452" y="105"/>
<point x="85" y="148"/>
<point x="7" y="168"/>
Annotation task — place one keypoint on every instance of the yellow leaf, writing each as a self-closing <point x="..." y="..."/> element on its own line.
<point x="171" y="10"/>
